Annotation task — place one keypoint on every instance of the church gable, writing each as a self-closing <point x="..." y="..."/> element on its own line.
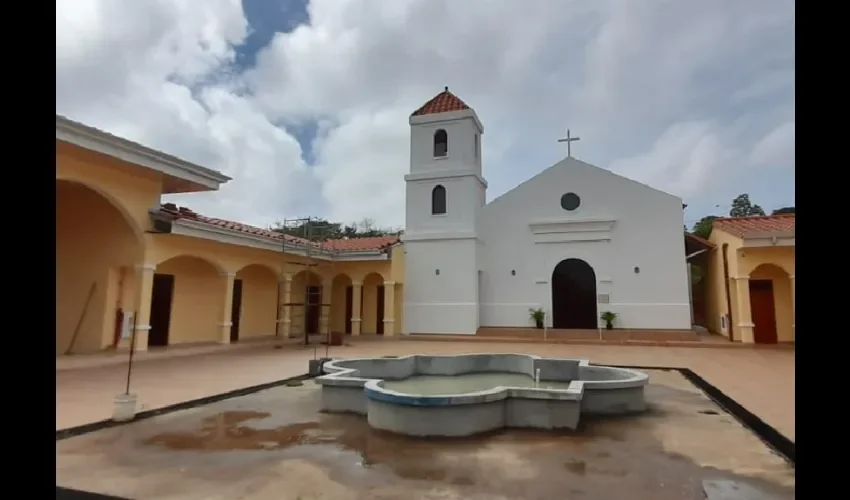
<point x="572" y="189"/>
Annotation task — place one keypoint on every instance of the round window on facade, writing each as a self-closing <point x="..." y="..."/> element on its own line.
<point x="570" y="201"/>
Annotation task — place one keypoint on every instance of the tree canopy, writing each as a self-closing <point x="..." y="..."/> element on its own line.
<point x="783" y="210"/>
<point x="322" y="229"/>
<point x="741" y="207"/>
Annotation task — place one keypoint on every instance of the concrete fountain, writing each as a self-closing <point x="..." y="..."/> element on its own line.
<point x="462" y="395"/>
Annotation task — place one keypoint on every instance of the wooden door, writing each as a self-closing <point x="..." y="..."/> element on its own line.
<point x="379" y="317"/>
<point x="349" y="308"/>
<point x="162" y="296"/>
<point x="236" y="311"/>
<point x="763" y="311"/>
<point x="574" y="295"/>
<point x="312" y="310"/>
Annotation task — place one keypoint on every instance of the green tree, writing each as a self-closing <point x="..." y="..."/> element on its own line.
<point x="743" y="207"/>
<point x="783" y="210"/>
<point x="321" y="229"/>
<point x="702" y="227"/>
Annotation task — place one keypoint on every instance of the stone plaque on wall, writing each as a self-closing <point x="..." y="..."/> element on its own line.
<point x="603" y="298"/>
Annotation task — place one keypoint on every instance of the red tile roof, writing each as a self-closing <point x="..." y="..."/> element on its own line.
<point x="443" y="102"/>
<point x="173" y="212"/>
<point x="742" y="226"/>
<point x="699" y="240"/>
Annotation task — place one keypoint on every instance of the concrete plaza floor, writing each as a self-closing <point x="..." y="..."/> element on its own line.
<point x="275" y="444"/>
<point x="762" y="380"/>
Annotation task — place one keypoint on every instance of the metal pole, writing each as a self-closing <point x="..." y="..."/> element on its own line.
<point x="132" y="351"/>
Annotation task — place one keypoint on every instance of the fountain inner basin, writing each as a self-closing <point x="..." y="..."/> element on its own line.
<point x="472" y="393"/>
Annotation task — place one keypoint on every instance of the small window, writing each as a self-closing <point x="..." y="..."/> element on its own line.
<point x="570" y="202"/>
<point x="477" y="146"/>
<point x="441" y="143"/>
<point x="438" y="201"/>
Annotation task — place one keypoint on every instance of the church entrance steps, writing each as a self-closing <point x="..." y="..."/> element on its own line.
<point x="583" y="338"/>
<point x="616" y="334"/>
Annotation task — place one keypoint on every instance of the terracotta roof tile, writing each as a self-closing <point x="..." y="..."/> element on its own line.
<point x="174" y="212"/>
<point x="742" y="226"/>
<point x="699" y="240"/>
<point x="443" y="102"/>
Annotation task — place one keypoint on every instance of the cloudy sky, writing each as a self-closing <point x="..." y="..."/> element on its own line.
<point x="305" y="104"/>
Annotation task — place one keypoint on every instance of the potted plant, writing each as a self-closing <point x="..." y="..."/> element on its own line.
<point x="608" y="317"/>
<point x="537" y="315"/>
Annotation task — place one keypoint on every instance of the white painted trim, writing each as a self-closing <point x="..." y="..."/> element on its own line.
<point x="441" y="303"/>
<point x="356" y="320"/>
<point x="691" y="256"/>
<point x="202" y="230"/>
<point x="769" y="241"/>
<point x="146" y="267"/>
<point x="284" y="321"/>
<point x="792" y="276"/>
<point x="571" y="230"/>
<point x="389" y="283"/>
<point x="746" y="325"/>
<point x="515" y="304"/>
<point x="442" y="174"/>
<point x="284" y="279"/>
<point x="143" y="328"/>
<point x="228" y="274"/>
<point x="447" y="117"/>
<point x="104" y="143"/>
<point x="226" y="323"/>
<point x="389" y="320"/>
<point x="356" y="283"/>
<point x="438" y="236"/>
<point x="746" y="278"/>
<point x="656" y="304"/>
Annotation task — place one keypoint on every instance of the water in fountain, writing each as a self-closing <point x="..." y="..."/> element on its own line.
<point x="436" y="385"/>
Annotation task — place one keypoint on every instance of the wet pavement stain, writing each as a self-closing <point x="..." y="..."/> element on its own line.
<point x="662" y="454"/>
<point x="223" y="432"/>
<point x="578" y="467"/>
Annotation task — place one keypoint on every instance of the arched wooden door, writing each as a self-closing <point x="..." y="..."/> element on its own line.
<point x="574" y="295"/>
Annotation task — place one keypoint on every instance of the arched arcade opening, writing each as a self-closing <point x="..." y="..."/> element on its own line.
<point x="771" y="305"/>
<point x="255" y="297"/>
<point x="187" y="302"/>
<point x="372" y="312"/>
<point x="97" y="248"/>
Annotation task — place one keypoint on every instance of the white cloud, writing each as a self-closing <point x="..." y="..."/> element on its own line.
<point x="679" y="94"/>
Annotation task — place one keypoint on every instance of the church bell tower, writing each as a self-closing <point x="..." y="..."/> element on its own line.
<point x="445" y="191"/>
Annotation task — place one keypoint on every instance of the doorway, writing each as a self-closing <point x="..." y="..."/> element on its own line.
<point x="574" y="295"/>
<point x="235" y="311"/>
<point x="312" y="310"/>
<point x="349" y="308"/>
<point x="162" y="296"/>
<point x="379" y="317"/>
<point x="763" y="311"/>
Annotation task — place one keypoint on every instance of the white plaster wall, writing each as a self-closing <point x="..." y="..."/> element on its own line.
<point x="647" y="233"/>
<point x="462" y="203"/>
<point x="446" y="302"/>
<point x="461" y="127"/>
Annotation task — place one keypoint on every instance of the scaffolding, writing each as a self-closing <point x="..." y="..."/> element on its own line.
<point x="308" y="237"/>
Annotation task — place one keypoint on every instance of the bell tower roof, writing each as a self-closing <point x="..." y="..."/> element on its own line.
<point x="444" y="102"/>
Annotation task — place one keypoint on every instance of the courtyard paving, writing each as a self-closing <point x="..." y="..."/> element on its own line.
<point x="275" y="444"/>
<point x="762" y="380"/>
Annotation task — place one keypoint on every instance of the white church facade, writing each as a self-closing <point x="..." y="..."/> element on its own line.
<point x="575" y="240"/>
